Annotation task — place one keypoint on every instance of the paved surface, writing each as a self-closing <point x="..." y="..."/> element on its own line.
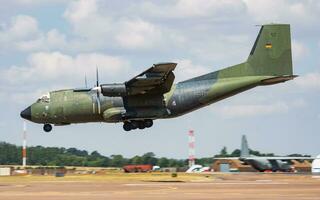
<point x="213" y="187"/>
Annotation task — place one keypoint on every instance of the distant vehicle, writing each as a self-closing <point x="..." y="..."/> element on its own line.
<point x="263" y="163"/>
<point x="137" y="168"/>
<point x="153" y="95"/>
<point x="194" y="168"/>
<point x="156" y="168"/>
<point x="198" y="169"/>
<point x="316" y="165"/>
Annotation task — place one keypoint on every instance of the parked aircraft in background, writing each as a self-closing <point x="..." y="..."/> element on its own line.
<point x="152" y="95"/>
<point x="316" y="165"/>
<point x="265" y="163"/>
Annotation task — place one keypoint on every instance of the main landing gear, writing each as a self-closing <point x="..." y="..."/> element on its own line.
<point x="134" y="124"/>
<point x="47" y="127"/>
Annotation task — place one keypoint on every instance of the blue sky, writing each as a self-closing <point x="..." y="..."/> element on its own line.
<point x="48" y="45"/>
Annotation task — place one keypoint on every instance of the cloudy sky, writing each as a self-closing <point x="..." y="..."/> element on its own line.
<point x="50" y="44"/>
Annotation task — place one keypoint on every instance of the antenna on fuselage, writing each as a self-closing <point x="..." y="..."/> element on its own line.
<point x="85" y="80"/>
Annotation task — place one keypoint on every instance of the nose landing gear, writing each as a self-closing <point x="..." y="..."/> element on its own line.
<point x="141" y="124"/>
<point x="47" y="127"/>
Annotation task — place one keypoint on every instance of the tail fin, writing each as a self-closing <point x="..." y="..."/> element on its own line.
<point x="244" y="147"/>
<point x="270" y="56"/>
<point x="271" y="52"/>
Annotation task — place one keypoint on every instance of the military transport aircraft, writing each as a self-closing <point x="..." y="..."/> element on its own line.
<point x="265" y="163"/>
<point x="152" y="95"/>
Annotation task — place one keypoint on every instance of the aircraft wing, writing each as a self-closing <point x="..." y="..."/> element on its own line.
<point x="227" y="158"/>
<point x="265" y="158"/>
<point x="157" y="79"/>
<point x="278" y="158"/>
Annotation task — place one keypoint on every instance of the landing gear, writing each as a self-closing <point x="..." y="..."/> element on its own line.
<point x="47" y="127"/>
<point x="141" y="125"/>
<point x="148" y="123"/>
<point x="131" y="125"/>
<point x="127" y="126"/>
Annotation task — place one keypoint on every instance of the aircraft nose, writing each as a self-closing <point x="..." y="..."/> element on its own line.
<point x="26" y="113"/>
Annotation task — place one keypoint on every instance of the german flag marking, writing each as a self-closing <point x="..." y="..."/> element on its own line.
<point x="268" y="46"/>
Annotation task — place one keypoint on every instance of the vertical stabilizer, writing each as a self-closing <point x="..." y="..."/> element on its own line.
<point x="244" y="147"/>
<point x="271" y="52"/>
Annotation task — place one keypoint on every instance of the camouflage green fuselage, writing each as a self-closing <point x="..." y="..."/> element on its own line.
<point x="71" y="106"/>
<point x="151" y="95"/>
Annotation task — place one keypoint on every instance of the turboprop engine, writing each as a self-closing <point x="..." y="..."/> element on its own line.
<point x="113" y="90"/>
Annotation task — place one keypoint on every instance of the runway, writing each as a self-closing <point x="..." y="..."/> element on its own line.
<point x="247" y="186"/>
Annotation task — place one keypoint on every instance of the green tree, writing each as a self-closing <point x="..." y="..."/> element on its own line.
<point x="224" y="151"/>
<point x="149" y="158"/>
<point x="163" y="162"/>
<point x="136" y="160"/>
<point x="236" y="153"/>
<point x="117" y="161"/>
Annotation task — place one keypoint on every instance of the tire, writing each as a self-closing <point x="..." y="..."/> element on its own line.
<point x="148" y="123"/>
<point x="127" y="126"/>
<point x="47" y="127"/>
<point x="134" y="125"/>
<point x="141" y="125"/>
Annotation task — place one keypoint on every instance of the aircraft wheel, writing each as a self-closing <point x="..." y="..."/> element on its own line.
<point x="47" y="127"/>
<point x="134" y="125"/>
<point x="127" y="126"/>
<point x="141" y="125"/>
<point x="148" y="123"/>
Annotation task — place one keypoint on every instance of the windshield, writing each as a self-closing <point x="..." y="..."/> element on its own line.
<point x="44" y="98"/>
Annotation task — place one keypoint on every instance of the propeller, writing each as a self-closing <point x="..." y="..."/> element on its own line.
<point x="98" y="90"/>
<point x="97" y="76"/>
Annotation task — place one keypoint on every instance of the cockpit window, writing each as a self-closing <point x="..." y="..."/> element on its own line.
<point x="44" y="98"/>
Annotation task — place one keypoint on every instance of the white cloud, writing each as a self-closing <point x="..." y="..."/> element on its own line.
<point x="283" y="11"/>
<point x="299" y="50"/>
<point x="23" y="34"/>
<point x="56" y="39"/>
<point x="234" y="111"/>
<point x="186" y="69"/>
<point x="47" y="71"/>
<point x="192" y="8"/>
<point x="37" y="2"/>
<point x="138" y="34"/>
<point x="21" y="27"/>
<point x="22" y="97"/>
<point x="53" y="39"/>
<point x="80" y="10"/>
<point x="309" y="81"/>
<point x="96" y="27"/>
<point x="55" y="66"/>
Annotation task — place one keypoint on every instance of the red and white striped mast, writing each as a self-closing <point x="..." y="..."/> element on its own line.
<point x="191" y="148"/>
<point x="24" y="145"/>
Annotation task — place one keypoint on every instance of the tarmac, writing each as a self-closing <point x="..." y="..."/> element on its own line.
<point x="159" y="186"/>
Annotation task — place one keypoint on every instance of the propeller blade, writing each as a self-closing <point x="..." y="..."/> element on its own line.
<point x="98" y="102"/>
<point x="98" y="89"/>
<point x="97" y="76"/>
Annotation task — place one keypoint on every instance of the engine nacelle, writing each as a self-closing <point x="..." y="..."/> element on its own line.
<point x="113" y="90"/>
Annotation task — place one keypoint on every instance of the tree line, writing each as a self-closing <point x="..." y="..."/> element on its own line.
<point x="10" y="154"/>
